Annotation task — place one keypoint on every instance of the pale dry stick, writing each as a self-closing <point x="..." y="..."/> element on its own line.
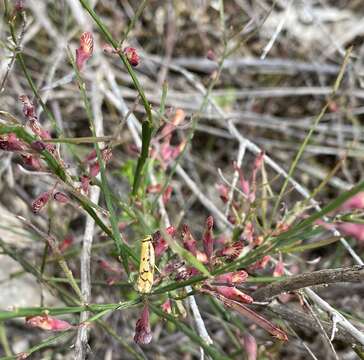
<point x="82" y="334"/>
<point x="134" y="126"/>
<point x="276" y="33"/>
<point x="326" y="339"/>
<point x="241" y="153"/>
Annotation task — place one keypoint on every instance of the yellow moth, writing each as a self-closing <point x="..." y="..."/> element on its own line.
<point x="146" y="268"/>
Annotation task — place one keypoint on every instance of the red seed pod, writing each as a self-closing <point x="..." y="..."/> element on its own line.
<point x="61" y="197"/>
<point x="40" y="202"/>
<point x="132" y="56"/>
<point x="84" y="52"/>
<point x="208" y="240"/>
<point x="46" y="322"/>
<point x="234" y="294"/>
<point x="143" y="333"/>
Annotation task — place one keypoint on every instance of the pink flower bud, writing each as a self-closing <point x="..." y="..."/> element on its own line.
<point x="84" y="52"/>
<point x="40" y="202"/>
<point x="132" y="56"/>
<point x="11" y="143"/>
<point x="223" y="192"/>
<point x="94" y="169"/>
<point x="208" y="240"/>
<point x="159" y="243"/>
<point x="166" y="306"/>
<point x="46" y="322"/>
<point x="236" y="277"/>
<point x="250" y="346"/>
<point x="279" y="268"/>
<point x="234" y="294"/>
<point x="90" y="156"/>
<point x="354" y="230"/>
<point x="61" y="197"/>
<point x="171" y="230"/>
<point x="260" y="264"/>
<point x="355" y="202"/>
<point x="189" y="241"/>
<point x="143" y="333"/>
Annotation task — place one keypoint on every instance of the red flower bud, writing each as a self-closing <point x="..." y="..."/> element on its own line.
<point x="132" y="56"/>
<point x="166" y="307"/>
<point x="46" y="322"/>
<point x="11" y="143"/>
<point x="159" y="243"/>
<point x="143" y="333"/>
<point x="250" y="346"/>
<point x="208" y="240"/>
<point x="84" y="52"/>
<point x="94" y="169"/>
<point x="223" y="192"/>
<point x="233" y="294"/>
<point x="189" y="241"/>
<point x="236" y="277"/>
<point x="40" y="202"/>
